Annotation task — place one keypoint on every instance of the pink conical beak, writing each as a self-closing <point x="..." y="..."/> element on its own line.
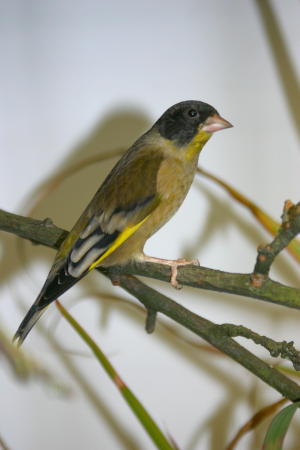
<point x="215" y="123"/>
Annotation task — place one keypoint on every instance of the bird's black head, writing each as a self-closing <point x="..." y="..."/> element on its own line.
<point x="180" y="123"/>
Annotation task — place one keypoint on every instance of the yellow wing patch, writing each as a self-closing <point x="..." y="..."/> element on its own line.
<point x="126" y="233"/>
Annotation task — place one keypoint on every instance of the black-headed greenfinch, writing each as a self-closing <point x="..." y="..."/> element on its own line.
<point x="140" y="194"/>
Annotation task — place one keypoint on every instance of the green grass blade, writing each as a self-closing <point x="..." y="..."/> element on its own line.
<point x="137" y="408"/>
<point x="278" y="428"/>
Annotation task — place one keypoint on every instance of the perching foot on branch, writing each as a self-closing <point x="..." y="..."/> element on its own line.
<point x="174" y="264"/>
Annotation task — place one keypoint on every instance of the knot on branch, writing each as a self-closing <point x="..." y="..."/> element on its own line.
<point x="291" y="217"/>
<point x="257" y="279"/>
<point x="48" y="223"/>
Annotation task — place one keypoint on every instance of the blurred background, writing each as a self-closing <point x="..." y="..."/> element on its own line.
<point x="85" y="78"/>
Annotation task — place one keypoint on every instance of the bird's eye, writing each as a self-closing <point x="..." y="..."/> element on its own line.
<point x="192" y="113"/>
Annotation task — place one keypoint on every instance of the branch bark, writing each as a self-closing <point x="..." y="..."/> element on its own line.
<point x="46" y="233"/>
<point x="266" y="254"/>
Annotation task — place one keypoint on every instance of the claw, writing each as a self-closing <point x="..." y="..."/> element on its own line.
<point x="174" y="264"/>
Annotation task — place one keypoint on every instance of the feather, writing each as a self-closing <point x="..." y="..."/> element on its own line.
<point x="139" y="195"/>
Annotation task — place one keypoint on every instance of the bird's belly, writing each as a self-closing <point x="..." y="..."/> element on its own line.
<point x="172" y="190"/>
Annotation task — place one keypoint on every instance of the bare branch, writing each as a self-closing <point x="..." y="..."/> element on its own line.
<point x="266" y="254"/>
<point x="48" y="234"/>
<point x="212" y="333"/>
<point x="284" y="349"/>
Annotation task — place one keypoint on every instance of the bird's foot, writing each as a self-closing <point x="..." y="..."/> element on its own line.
<point x="174" y="264"/>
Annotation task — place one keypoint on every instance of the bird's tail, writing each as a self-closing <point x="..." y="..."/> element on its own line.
<point x="28" y="322"/>
<point x="56" y="284"/>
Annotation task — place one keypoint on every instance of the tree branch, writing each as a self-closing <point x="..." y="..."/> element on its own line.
<point x="212" y="333"/>
<point x="289" y="229"/>
<point x="46" y="233"/>
<point x="284" y="349"/>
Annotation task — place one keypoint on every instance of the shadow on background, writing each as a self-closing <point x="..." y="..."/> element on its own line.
<point x="64" y="205"/>
<point x="221" y="215"/>
<point x="119" y="130"/>
<point x="213" y="364"/>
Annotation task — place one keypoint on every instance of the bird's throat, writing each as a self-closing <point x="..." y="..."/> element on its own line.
<point x="196" y="145"/>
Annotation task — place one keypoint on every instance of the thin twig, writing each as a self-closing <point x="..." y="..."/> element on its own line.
<point x="210" y="332"/>
<point x="266" y="254"/>
<point x="47" y="234"/>
<point x="150" y="320"/>
<point x="154" y="300"/>
<point x="261" y="216"/>
<point x="284" y="349"/>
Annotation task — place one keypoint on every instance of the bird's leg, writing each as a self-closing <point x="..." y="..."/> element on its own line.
<point x="174" y="264"/>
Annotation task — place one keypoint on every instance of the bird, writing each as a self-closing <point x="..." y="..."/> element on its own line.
<point x="139" y="195"/>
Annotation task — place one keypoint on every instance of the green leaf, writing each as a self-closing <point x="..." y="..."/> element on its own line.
<point x="278" y="428"/>
<point x="137" y="408"/>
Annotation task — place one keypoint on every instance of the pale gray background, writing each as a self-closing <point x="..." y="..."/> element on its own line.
<point x="79" y="78"/>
